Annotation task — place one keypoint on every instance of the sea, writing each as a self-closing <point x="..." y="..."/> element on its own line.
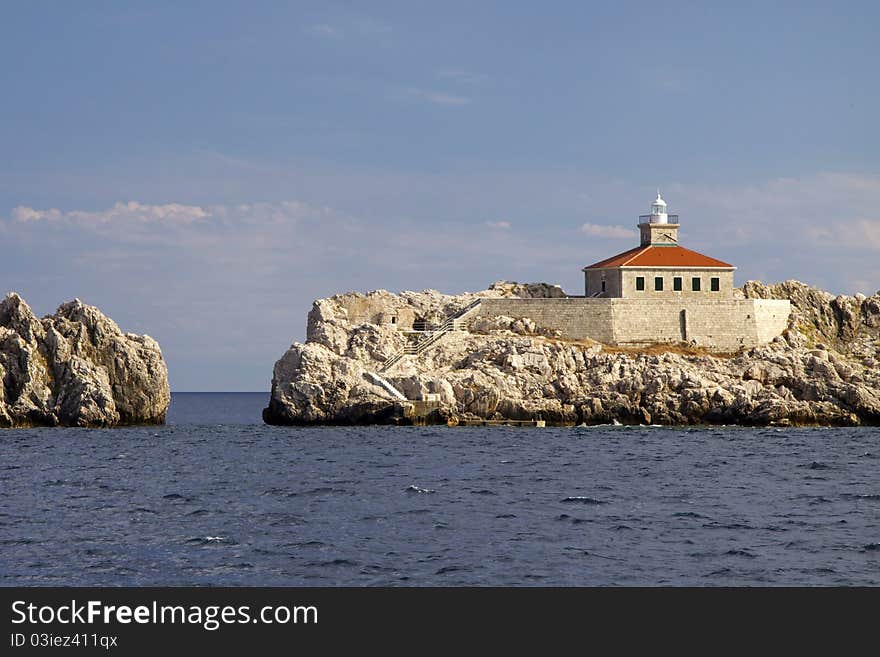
<point x="216" y="497"/>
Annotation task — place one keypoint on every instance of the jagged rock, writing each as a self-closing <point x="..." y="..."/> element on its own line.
<point x="76" y="368"/>
<point x="823" y="370"/>
<point x="524" y="290"/>
<point x="820" y="316"/>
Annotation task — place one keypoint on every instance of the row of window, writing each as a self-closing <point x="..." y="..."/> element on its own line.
<point x="696" y="283"/>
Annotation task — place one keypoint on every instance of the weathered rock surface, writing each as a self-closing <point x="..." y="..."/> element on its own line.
<point x="76" y="368"/>
<point x="824" y="370"/>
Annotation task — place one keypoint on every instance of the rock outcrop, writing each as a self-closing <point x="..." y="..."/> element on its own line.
<point x="76" y="368"/>
<point x="824" y="370"/>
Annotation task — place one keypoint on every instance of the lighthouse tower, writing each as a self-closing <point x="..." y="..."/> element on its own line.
<point x="659" y="228"/>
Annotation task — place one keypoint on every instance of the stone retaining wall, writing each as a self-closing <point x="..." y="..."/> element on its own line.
<point x="721" y="325"/>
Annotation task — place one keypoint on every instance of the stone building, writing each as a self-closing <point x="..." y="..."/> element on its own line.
<point x="658" y="292"/>
<point x="659" y="268"/>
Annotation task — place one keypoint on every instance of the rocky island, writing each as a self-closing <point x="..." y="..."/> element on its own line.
<point x="77" y="368"/>
<point x="429" y="357"/>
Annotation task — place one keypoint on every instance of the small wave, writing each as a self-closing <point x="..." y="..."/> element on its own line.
<point x="305" y="544"/>
<point x="815" y="465"/>
<point x="740" y="553"/>
<point x="687" y="514"/>
<point x="582" y="499"/>
<point x="573" y="520"/>
<point x="210" y="540"/>
<point x="287" y="519"/>
<point x="275" y="491"/>
<point x="871" y="547"/>
<point x="320" y="490"/>
<point x="483" y="491"/>
<point x="716" y="573"/>
<point x="873" y="497"/>
<point x="336" y="562"/>
<point x="719" y="525"/>
<point x="584" y="425"/>
<point x="449" y="569"/>
<point x="412" y="488"/>
<point x="173" y="496"/>
<point x="506" y="515"/>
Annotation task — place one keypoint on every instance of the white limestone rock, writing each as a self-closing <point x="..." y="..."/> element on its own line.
<point x="76" y="368"/>
<point x="824" y="370"/>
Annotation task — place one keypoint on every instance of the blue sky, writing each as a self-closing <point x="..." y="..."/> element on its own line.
<point x="203" y="170"/>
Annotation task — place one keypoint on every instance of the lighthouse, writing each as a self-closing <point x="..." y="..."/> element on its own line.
<point x="659" y="228"/>
<point x="659" y="268"/>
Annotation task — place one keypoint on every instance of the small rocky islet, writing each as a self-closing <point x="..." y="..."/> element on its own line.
<point x="354" y="367"/>
<point x="77" y="368"/>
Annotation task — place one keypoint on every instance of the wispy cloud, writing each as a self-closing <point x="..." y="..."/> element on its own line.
<point x="671" y="80"/>
<point x="858" y="234"/>
<point x="23" y="214"/>
<point x="367" y="28"/>
<point x="467" y="77"/>
<point x="499" y="225"/>
<point x="609" y="232"/>
<point x="435" y="97"/>
<point x="131" y="211"/>
<point x="326" y="31"/>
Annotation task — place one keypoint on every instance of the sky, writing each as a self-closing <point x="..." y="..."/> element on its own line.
<point x="202" y="171"/>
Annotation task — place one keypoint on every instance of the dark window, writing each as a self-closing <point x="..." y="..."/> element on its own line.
<point x="603" y="286"/>
<point x="640" y="283"/>
<point x="394" y="320"/>
<point x="676" y="283"/>
<point x="716" y="284"/>
<point x="695" y="283"/>
<point x="658" y="283"/>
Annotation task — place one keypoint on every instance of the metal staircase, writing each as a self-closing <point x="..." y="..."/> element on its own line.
<point x="456" y="322"/>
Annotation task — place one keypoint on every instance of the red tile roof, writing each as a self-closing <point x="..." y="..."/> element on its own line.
<point x="659" y="256"/>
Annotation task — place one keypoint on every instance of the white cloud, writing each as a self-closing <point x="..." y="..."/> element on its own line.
<point x="826" y="208"/>
<point x="437" y="97"/>
<point x="499" y="225"/>
<point x="24" y="214"/>
<point x="132" y="211"/>
<point x="610" y="232"/>
<point x="141" y="213"/>
<point x="325" y="30"/>
<point x="859" y="234"/>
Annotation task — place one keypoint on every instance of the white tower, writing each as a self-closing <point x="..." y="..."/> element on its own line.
<point x="658" y="211"/>
<point x="658" y="228"/>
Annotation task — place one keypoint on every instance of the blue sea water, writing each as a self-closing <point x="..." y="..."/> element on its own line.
<point x="218" y="498"/>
